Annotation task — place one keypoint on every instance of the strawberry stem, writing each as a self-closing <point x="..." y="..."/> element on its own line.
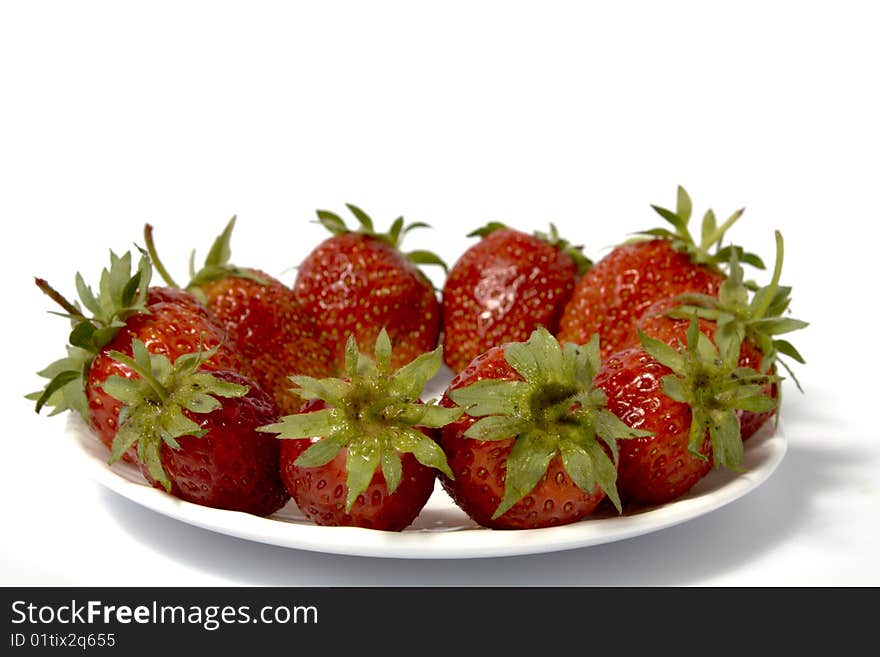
<point x="774" y="282"/>
<point x="154" y="256"/>
<point x="57" y="297"/>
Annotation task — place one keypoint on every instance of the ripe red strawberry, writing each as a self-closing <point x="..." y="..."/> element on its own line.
<point x="755" y="318"/>
<point x="359" y="282"/>
<point x="170" y="322"/>
<point x="169" y="329"/>
<point x="261" y="318"/>
<point x="536" y="446"/>
<point x="504" y="287"/>
<point x="195" y="431"/>
<point x="688" y="400"/>
<point x="361" y="452"/>
<point x="613" y="294"/>
<point x="671" y="329"/>
<point x="321" y="491"/>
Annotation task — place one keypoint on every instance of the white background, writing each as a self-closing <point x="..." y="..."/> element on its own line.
<point x="455" y="113"/>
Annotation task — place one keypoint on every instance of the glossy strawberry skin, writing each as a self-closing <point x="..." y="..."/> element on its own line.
<point x="479" y="467"/>
<point x="611" y="297"/>
<point x="275" y="339"/>
<point x="355" y="284"/>
<point x="320" y="492"/>
<point x="232" y="466"/>
<point x="169" y="328"/>
<point x="500" y="290"/>
<point x="656" y="324"/>
<point x="180" y="297"/>
<point x="659" y="468"/>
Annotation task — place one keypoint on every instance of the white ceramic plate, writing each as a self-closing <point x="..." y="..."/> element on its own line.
<point x="442" y="531"/>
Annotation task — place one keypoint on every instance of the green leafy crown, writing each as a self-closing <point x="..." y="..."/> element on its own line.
<point x="154" y="401"/>
<point x="374" y="414"/>
<point x="122" y="293"/>
<point x="711" y="234"/>
<point x="554" y="410"/>
<point x="394" y="237"/>
<point x="576" y="253"/>
<point x="707" y="377"/>
<point x="757" y="317"/>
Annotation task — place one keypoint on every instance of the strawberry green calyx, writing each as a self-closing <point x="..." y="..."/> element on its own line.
<point x="374" y="414"/>
<point x="216" y="266"/>
<point x="393" y="238"/>
<point x="757" y="317"/>
<point x="576" y="253"/>
<point x="488" y="229"/>
<point x="154" y="402"/>
<point x="65" y="389"/>
<point x="711" y="234"/>
<point x="554" y="410"/>
<point x="122" y="293"/>
<point x="707" y="378"/>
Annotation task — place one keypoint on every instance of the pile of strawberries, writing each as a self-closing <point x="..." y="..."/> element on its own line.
<point x="625" y="381"/>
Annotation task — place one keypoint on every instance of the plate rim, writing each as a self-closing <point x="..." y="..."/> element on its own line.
<point x="765" y="450"/>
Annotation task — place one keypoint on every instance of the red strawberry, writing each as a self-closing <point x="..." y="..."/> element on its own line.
<point x="359" y="282"/>
<point x="504" y="287"/>
<point x="261" y="317"/>
<point x="755" y="318"/>
<point x="612" y="295"/>
<point x="195" y="432"/>
<point x="168" y="321"/>
<point x="536" y="446"/>
<point x="274" y="337"/>
<point x="321" y="492"/>
<point x="169" y="329"/>
<point x="688" y="400"/>
<point x="361" y="452"/>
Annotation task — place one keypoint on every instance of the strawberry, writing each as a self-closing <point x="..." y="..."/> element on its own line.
<point x="362" y="451"/>
<point x="195" y="431"/>
<point x="613" y="294"/>
<point x="536" y="446"/>
<point x="504" y="287"/>
<point x="359" y="283"/>
<point x="170" y="322"/>
<point x="688" y="399"/>
<point x="168" y="329"/>
<point x="754" y="318"/>
<point x="261" y="317"/>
